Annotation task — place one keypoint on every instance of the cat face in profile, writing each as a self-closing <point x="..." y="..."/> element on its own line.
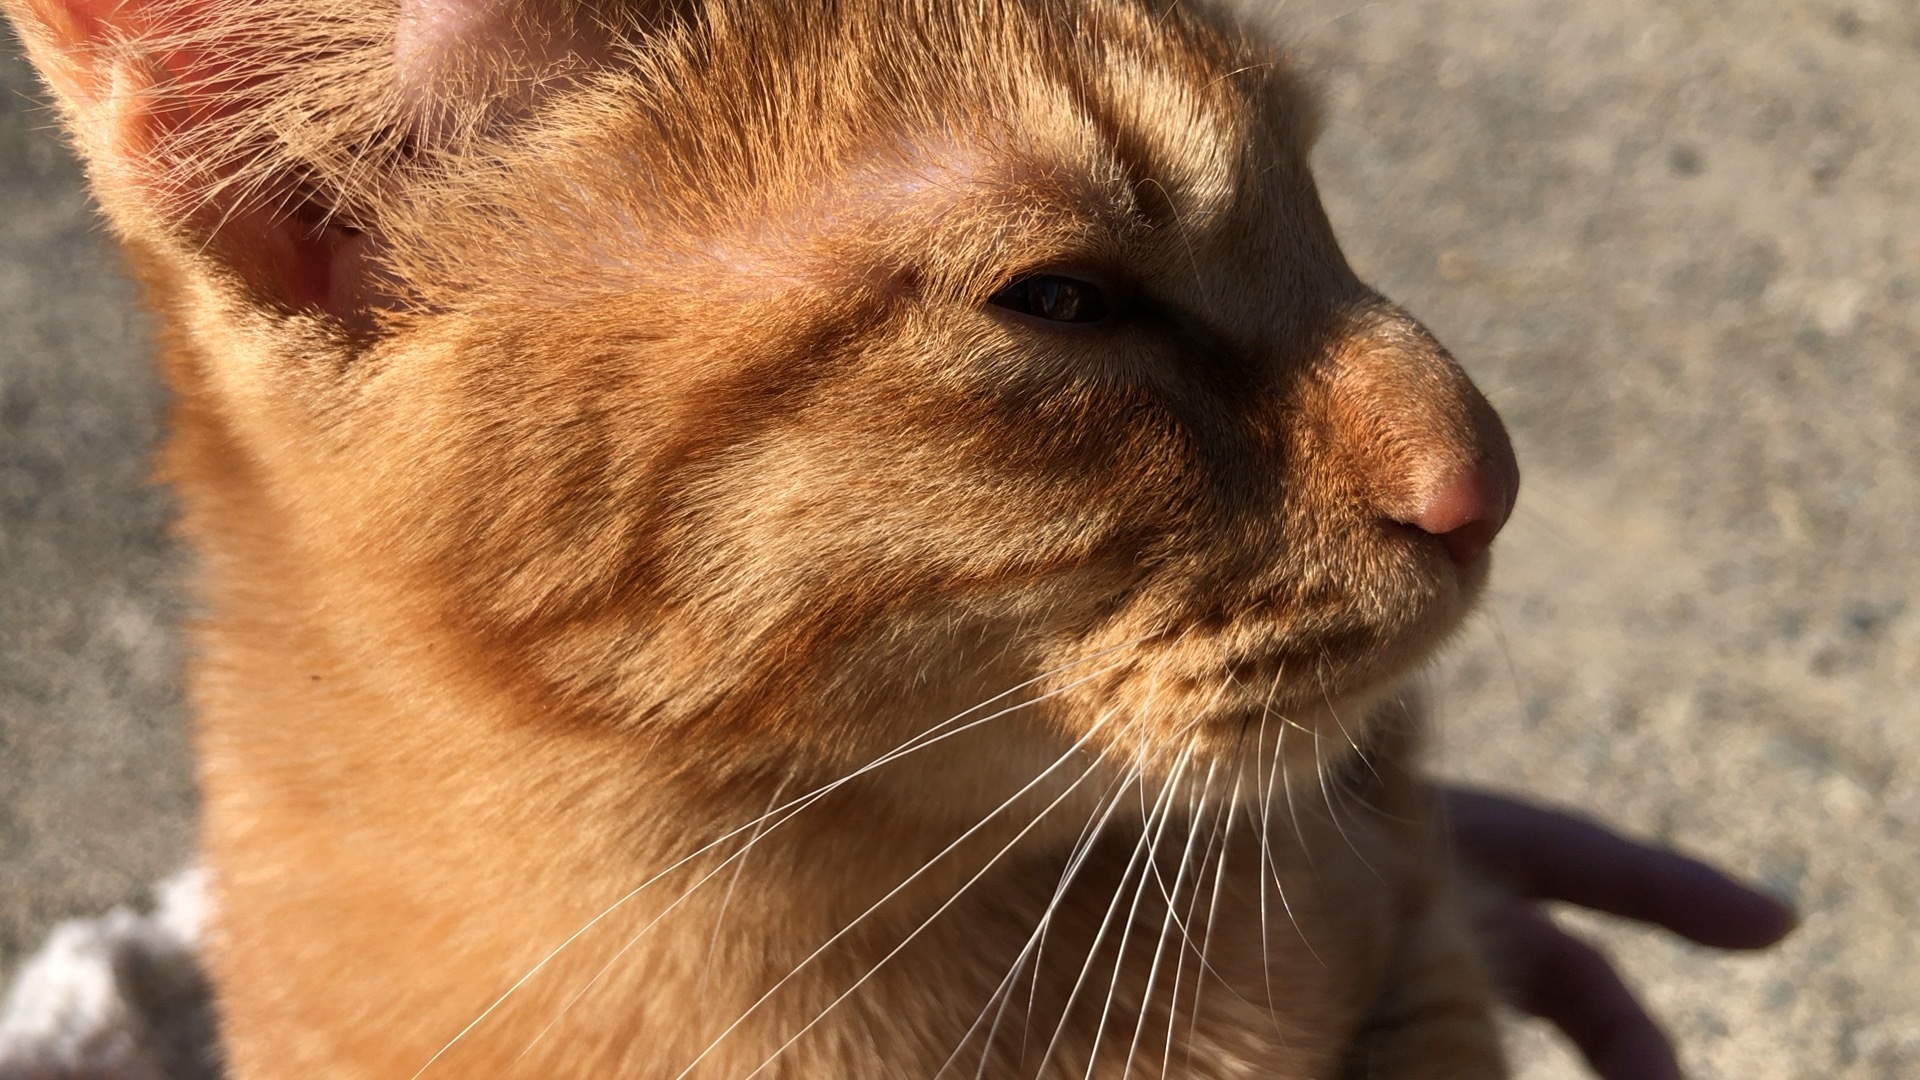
<point x="720" y="383"/>
<point x="748" y="390"/>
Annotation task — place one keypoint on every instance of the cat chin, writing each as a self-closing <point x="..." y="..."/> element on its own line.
<point x="1253" y="704"/>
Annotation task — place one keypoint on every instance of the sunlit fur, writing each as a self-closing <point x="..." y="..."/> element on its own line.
<point x="659" y="619"/>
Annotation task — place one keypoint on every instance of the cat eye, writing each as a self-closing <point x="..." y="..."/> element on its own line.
<point x="1054" y="298"/>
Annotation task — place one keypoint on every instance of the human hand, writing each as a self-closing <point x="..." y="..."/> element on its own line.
<point x="1535" y="854"/>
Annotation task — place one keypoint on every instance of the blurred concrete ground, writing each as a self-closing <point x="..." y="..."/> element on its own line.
<point x="1677" y="242"/>
<point x="96" y="796"/>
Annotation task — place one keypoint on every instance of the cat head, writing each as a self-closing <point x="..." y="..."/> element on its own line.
<point x="742" y="373"/>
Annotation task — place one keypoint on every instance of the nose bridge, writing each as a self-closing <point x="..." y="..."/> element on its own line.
<point x="1421" y="444"/>
<point x="1405" y="382"/>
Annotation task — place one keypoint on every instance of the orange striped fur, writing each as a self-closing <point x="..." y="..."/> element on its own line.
<point x="662" y="619"/>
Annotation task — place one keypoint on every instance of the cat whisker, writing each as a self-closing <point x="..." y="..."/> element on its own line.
<point x="1223" y="832"/>
<point x="895" y="891"/>
<point x="1134" y="776"/>
<point x="1093" y="948"/>
<point x="1180" y="227"/>
<point x="1358" y="752"/>
<point x="1263" y="815"/>
<point x="1330" y="788"/>
<point x="733" y="882"/>
<point x="1150" y="838"/>
<point x="1293" y="817"/>
<point x="1285" y="774"/>
<point x="1167" y="924"/>
<point x="1200" y="806"/>
<point x="1243" y="69"/>
<point x="920" y="741"/>
<point x="1327" y="798"/>
<point x="734" y="859"/>
<point x="1035" y="946"/>
<point x="817" y="795"/>
<point x="998" y="1001"/>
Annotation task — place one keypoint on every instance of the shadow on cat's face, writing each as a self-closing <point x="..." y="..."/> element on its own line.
<point x="776" y="385"/>
<point x="935" y="380"/>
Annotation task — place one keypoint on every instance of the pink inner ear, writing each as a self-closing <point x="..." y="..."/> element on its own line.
<point x="75" y="42"/>
<point x="189" y="110"/>
<point x="264" y="136"/>
<point x="78" y="23"/>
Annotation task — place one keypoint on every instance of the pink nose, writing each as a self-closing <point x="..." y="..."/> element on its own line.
<point x="1466" y="508"/>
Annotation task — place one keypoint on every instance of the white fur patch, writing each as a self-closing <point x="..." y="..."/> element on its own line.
<point x="118" y="997"/>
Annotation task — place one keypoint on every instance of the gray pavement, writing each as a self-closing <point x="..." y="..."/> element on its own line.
<point x="1677" y="242"/>
<point x="96" y="797"/>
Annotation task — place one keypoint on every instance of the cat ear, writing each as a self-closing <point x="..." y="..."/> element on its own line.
<point x="258" y="143"/>
<point x="239" y="142"/>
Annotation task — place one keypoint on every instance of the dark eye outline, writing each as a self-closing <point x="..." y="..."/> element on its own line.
<point x="1056" y="298"/>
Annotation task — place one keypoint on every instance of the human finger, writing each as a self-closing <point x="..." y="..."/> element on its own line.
<point x="1548" y="973"/>
<point x="1551" y="855"/>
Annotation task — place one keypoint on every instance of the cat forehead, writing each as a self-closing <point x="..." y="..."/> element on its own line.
<point x="1182" y="114"/>
<point x="1173" y="126"/>
<point x="1185" y="144"/>
<point x="755" y="140"/>
<point x="1021" y="85"/>
<point x="1082" y="181"/>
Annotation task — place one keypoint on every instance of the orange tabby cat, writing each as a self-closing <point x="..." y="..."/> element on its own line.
<point x="860" y="539"/>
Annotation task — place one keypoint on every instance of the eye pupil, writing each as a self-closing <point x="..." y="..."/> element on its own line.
<point x="1054" y="298"/>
